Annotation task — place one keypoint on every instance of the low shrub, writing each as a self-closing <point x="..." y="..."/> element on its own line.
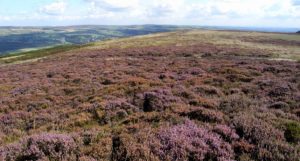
<point x="201" y="101"/>
<point x="156" y="100"/>
<point x="255" y="130"/>
<point x="279" y="90"/>
<point x="202" y="114"/>
<point x="269" y="142"/>
<point x="139" y="146"/>
<point x="280" y="105"/>
<point x="234" y="103"/>
<point x="226" y="132"/>
<point x="207" y="90"/>
<point x="189" y="141"/>
<point x="111" y="111"/>
<point x="47" y="146"/>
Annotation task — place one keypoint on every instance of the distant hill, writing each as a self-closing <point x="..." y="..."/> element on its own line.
<point x="22" y="39"/>
<point x="298" y="32"/>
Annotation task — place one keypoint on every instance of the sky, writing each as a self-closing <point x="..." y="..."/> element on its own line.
<point x="243" y="13"/>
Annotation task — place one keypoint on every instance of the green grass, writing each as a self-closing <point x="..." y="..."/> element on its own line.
<point x="221" y="39"/>
<point x="36" y="54"/>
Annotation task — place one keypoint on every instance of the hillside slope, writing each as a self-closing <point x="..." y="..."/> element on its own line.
<point x="186" y="95"/>
<point x="21" y="39"/>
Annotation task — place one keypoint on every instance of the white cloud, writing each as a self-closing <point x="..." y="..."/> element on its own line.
<point x="5" y="18"/>
<point x="190" y="12"/>
<point x="114" y="5"/>
<point x="185" y="8"/>
<point x="55" y="8"/>
<point x="255" y="12"/>
<point x="136" y="8"/>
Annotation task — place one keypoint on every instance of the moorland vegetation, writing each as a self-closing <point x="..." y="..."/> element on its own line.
<point x="186" y="95"/>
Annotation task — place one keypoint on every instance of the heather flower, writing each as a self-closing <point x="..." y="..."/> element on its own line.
<point x="190" y="141"/>
<point x="117" y="110"/>
<point x="255" y="130"/>
<point x="203" y="114"/>
<point x="226" y="132"/>
<point x="263" y="135"/>
<point x="41" y="147"/>
<point x="156" y="100"/>
<point x="86" y="158"/>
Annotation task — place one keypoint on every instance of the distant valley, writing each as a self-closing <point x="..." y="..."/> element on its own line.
<point x="23" y="39"/>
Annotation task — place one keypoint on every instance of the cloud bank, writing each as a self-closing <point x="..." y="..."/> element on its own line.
<point x="190" y="12"/>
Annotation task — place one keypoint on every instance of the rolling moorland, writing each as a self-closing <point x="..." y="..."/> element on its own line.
<point x="22" y="39"/>
<point x="184" y="95"/>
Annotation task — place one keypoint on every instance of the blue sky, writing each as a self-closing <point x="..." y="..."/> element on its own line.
<point x="259" y="13"/>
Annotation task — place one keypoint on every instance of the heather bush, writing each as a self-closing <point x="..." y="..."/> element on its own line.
<point x="230" y="70"/>
<point x="195" y="71"/>
<point x="184" y="93"/>
<point x="47" y="146"/>
<point x="21" y="90"/>
<point x="107" y="82"/>
<point x="262" y="135"/>
<point x="239" y="77"/>
<point x="86" y="158"/>
<point x="235" y="103"/>
<point x="14" y="125"/>
<point x="255" y="130"/>
<point x="275" y="150"/>
<point x="250" y="90"/>
<point x="202" y="114"/>
<point x="233" y="91"/>
<point x="182" y="141"/>
<point x="36" y="121"/>
<point x="226" y="132"/>
<point x="207" y="103"/>
<point x="95" y="144"/>
<point x="241" y="147"/>
<point x="297" y="112"/>
<point x="156" y="100"/>
<point x="14" y="118"/>
<point x="279" y="90"/>
<point x="139" y="146"/>
<point x="280" y="105"/>
<point x="114" y="111"/>
<point x="192" y="142"/>
<point x="207" y="90"/>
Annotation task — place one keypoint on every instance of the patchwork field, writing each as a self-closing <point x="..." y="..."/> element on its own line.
<point x="184" y="95"/>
